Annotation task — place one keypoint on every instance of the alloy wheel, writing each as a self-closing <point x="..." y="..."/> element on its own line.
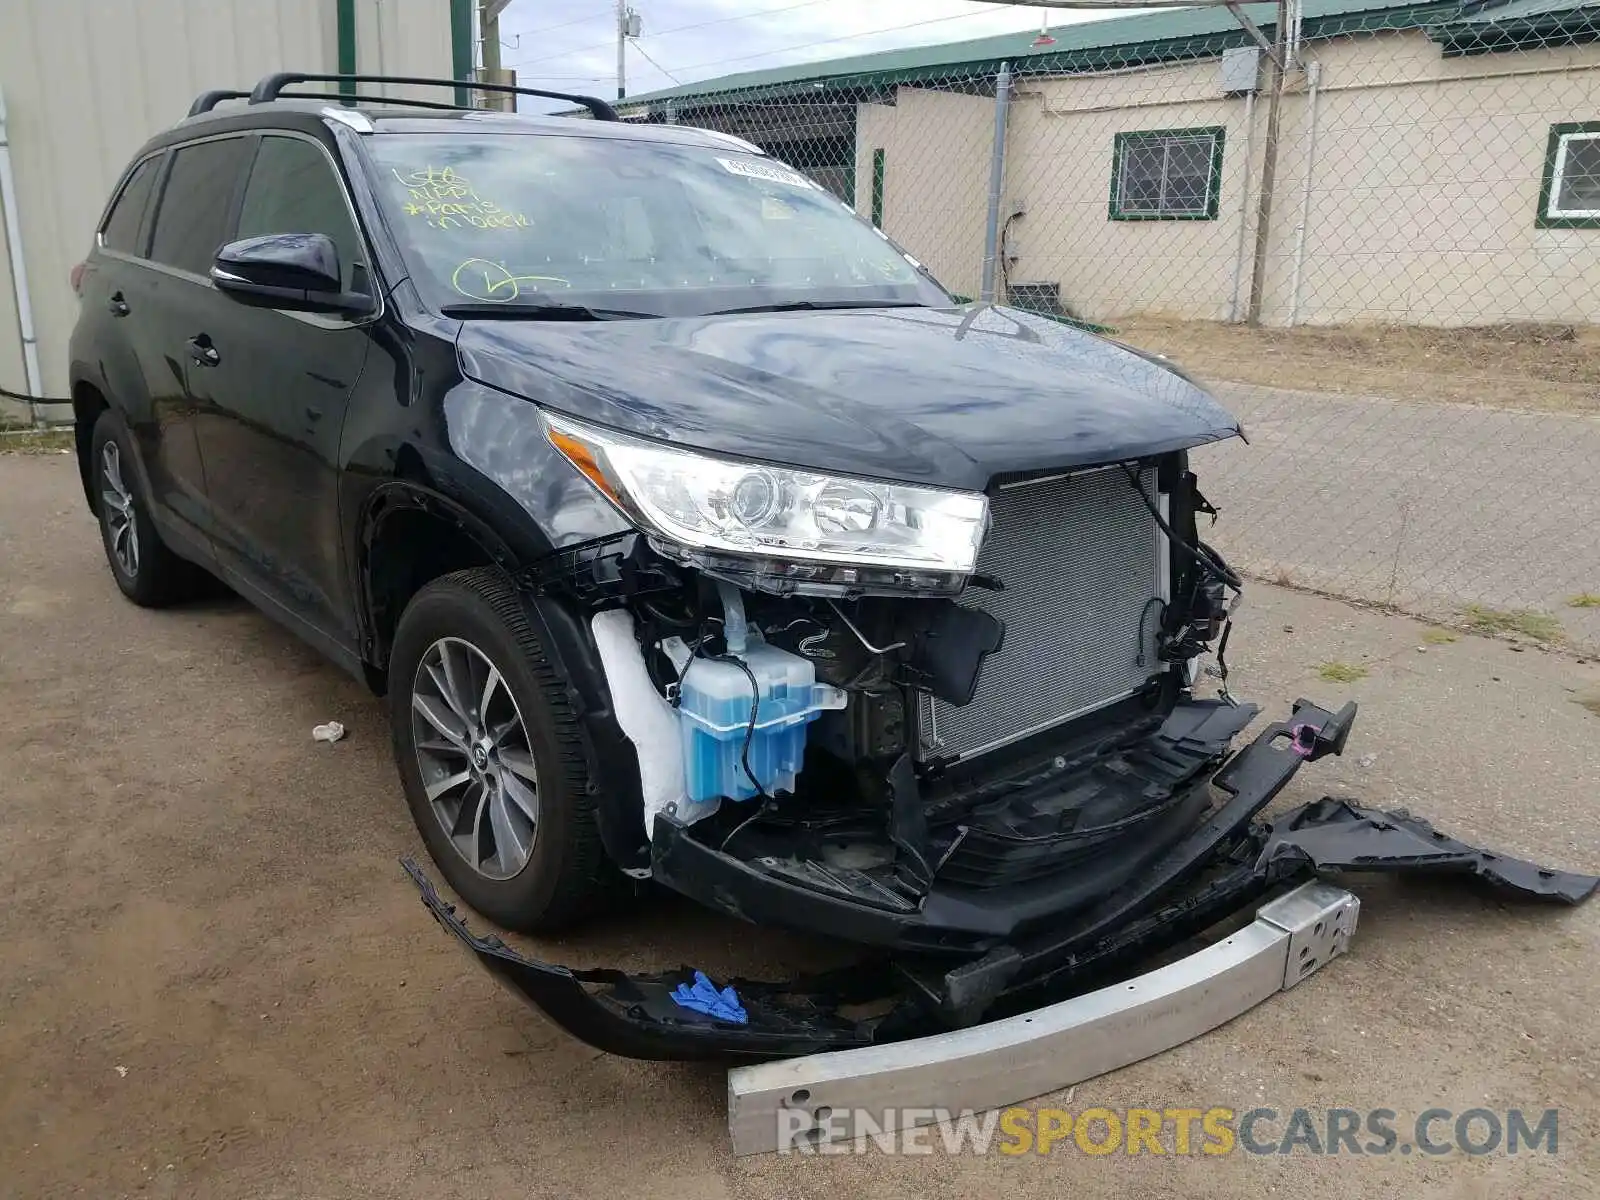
<point x="116" y="501"/>
<point x="474" y="757"/>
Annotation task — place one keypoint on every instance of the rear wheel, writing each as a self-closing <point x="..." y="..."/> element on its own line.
<point x="148" y="573"/>
<point x="490" y="755"/>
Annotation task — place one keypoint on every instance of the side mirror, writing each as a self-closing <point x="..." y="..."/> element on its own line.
<point x="294" y="271"/>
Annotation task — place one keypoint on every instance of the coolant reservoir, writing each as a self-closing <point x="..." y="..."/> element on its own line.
<point x="714" y="715"/>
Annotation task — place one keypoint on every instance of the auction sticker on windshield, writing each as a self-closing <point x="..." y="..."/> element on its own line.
<point x="770" y="172"/>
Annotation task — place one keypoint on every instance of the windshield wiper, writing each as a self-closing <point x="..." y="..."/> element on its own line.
<point x="800" y="305"/>
<point x="544" y="310"/>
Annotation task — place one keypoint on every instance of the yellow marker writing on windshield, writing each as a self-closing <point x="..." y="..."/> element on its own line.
<point x="481" y="279"/>
<point x="445" y="200"/>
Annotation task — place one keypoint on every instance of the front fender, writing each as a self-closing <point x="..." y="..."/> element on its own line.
<point x="610" y="759"/>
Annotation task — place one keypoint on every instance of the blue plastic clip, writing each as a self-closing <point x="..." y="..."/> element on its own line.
<point x="704" y="997"/>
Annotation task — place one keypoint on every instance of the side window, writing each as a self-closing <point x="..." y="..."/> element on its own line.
<point x="293" y="189"/>
<point x="192" y="223"/>
<point x="121" y="230"/>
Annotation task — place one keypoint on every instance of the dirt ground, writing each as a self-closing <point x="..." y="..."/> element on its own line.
<point x="215" y="981"/>
<point x="1552" y="368"/>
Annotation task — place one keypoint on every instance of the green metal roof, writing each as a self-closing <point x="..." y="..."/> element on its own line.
<point x="1499" y="25"/>
<point x="1177" y="32"/>
<point x="1516" y="10"/>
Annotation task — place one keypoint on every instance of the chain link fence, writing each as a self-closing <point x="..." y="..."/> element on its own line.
<point x="1384" y="256"/>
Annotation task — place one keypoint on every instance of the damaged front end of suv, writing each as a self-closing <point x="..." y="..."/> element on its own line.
<point x="945" y="709"/>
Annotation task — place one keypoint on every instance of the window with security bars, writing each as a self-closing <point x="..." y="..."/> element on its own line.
<point x="1570" y="196"/>
<point x="1167" y="175"/>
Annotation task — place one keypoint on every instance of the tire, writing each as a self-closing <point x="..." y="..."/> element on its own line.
<point x="476" y="827"/>
<point x="148" y="573"/>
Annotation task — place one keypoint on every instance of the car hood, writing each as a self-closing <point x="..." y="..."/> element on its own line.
<point x="949" y="397"/>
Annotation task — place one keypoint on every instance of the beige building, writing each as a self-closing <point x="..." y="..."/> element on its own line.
<point x="1434" y="165"/>
<point x="84" y="83"/>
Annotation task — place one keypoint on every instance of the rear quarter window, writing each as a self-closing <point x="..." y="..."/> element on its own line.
<point x="197" y="203"/>
<point x="121" y="230"/>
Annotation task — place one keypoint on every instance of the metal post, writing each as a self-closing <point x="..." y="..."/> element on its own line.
<point x="32" y="378"/>
<point x="622" y="49"/>
<point x="1277" y="63"/>
<point x="461" y="56"/>
<point x="1244" y="203"/>
<point x="489" y="31"/>
<point x="1314" y="78"/>
<point x="997" y="180"/>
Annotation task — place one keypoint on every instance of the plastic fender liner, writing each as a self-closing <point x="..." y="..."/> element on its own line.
<point x="1335" y="834"/>
<point x="1253" y="777"/>
<point x="635" y="1016"/>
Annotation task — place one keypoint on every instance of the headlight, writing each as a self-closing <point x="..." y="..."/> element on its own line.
<point x="700" y="502"/>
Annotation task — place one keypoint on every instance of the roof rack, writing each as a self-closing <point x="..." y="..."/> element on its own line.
<point x="206" y="101"/>
<point x="271" y="88"/>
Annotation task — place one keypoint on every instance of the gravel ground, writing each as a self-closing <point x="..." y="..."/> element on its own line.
<point x="214" y="980"/>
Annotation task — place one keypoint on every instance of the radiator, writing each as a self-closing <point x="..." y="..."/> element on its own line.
<point x="1084" y="565"/>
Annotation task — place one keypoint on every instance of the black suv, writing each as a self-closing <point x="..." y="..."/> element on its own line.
<point x="693" y="531"/>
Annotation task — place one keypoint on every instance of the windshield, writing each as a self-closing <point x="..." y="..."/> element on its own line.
<point x="629" y="226"/>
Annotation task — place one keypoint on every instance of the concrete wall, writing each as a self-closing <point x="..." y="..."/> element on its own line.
<point x="1059" y="165"/>
<point x="404" y="37"/>
<point x="86" y="82"/>
<point x="1425" y="188"/>
<point x="1423" y="193"/>
<point x="936" y="179"/>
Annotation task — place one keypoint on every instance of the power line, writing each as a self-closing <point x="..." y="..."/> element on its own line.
<point x="565" y="24"/>
<point x="653" y="62"/>
<point x="765" y="12"/>
<point x="833" y="41"/>
<point x="1112" y="4"/>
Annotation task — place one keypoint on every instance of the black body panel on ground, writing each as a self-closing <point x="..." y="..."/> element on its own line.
<point x="634" y="1015"/>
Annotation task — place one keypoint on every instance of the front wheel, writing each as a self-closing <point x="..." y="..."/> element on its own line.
<point x="491" y="755"/>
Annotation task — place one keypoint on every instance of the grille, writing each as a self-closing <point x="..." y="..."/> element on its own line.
<point x="1082" y="560"/>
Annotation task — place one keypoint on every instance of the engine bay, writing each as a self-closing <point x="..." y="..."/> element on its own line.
<point x="866" y="740"/>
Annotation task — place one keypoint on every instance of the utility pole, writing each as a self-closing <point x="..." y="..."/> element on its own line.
<point x="622" y="49"/>
<point x="1278" y="64"/>
<point x="489" y="32"/>
<point x="629" y="25"/>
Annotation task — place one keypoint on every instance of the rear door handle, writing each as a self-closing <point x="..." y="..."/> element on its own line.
<point x="202" y="351"/>
<point x="117" y="305"/>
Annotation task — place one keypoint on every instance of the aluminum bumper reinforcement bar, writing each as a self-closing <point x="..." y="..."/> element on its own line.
<point x="1002" y="1062"/>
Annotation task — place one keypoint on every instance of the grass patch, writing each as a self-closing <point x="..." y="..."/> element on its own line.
<point x="1438" y="637"/>
<point x="1494" y="622"/>
<point x="1341" y="672"/>
<point x="1584" y="600"/>
<point x="43" y="441"/>
<point x="1592" y="703"/>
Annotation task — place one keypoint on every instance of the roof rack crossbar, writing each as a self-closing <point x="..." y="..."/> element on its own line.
<point x="271" y="87"/>
<point x="207" y="101"/>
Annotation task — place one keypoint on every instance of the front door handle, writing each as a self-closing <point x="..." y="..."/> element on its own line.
<point x="117" y="305"/>
<point x="202" y="351"/>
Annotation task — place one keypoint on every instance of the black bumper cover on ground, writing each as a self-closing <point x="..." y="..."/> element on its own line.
<point x="1226" y="862"/>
